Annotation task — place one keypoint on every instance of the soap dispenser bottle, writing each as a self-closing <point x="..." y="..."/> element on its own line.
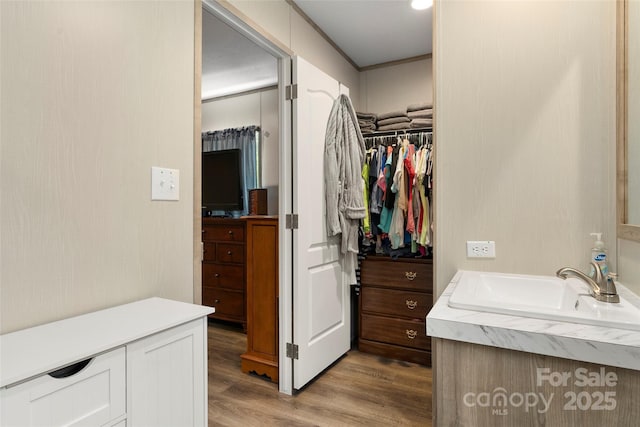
<point x="599" y="256"/>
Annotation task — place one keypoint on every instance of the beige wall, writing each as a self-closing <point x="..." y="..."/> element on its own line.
<point x="258" y="108"/>
<point x="525" y="133"/>
<point x="93" y="95"/>
<point x="629" y="264"/>
<point x="393" y="88"/>
<point x="281" y="21"/>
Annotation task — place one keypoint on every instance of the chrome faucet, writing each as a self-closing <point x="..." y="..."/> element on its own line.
<point x="602" y="288"/>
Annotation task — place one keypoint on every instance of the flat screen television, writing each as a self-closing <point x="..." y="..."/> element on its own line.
<point x="222" y="190"/>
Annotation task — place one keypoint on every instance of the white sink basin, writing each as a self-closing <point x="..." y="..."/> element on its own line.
<point x="541" y="297"/>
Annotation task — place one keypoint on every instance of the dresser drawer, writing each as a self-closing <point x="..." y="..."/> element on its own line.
<point x="230" y="252"/>
<point x="91" y="395"/>
<point x="227" y="303"/>
<point x="223" y="233"/>
<point x="394" y="302"/>
<point x="408" y="333"/>
<point x="397" y="274"/>
<point x="223" y="276"/>
<point x="209" y="253"/>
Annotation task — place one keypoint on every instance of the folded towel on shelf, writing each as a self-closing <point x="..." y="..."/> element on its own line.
<point x="421" y="123"/>
<point x="421" y="114"/>
<point x="420" y="106"/>
<point x="393" y="120"/>
<point x="391" y="114"/>
<point x="366" y="122"/>
<point x="395" y="126"/>
<point x="367" y="116"/>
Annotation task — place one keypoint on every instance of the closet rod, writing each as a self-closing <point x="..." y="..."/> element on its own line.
<point x="399" y="132"/>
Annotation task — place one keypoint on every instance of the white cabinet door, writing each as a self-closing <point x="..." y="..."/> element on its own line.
<point x="92" y="397"/>
<point x="321" y="306"/>
<point x="167" y="378"/>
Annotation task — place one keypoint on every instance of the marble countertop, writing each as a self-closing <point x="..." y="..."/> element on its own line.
<point x="587" y="343"/>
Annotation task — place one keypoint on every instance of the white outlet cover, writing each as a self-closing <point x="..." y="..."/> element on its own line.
<point x="165" y="183"/>
<point x="481" y="249"/>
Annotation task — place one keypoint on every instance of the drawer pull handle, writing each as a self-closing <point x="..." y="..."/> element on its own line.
<point x="70" y="370"/>
<point x="411" y="334"/>
<point x="228" y="252"/>
<point x="217" y="301"/>
<point x="410" y="275"/>
<point x="411" y="304"/>
<point x="231" y="232"/>
<point x="217" y="275"/>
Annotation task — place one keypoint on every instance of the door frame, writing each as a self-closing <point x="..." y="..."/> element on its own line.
<point x="245" y="26"/>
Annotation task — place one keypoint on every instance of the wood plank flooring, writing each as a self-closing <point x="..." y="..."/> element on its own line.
<point x="360" y="389"/>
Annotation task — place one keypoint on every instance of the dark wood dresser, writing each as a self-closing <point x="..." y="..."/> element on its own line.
<point x="223" y="268"/>
<point x="395" y="297"/>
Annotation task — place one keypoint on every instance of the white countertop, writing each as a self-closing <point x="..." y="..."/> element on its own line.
<point x="595" y="344"/>
<point x="33" y="351"/>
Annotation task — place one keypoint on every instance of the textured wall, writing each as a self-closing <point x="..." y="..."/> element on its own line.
<point x="395" y="87"/>
<point x="525" y="133"/>
<point x="93" y="95"/>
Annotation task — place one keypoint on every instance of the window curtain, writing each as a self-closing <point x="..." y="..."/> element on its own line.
<point x="247" y="140"/>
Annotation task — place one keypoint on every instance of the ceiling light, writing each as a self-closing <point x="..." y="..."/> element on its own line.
<point x="421" y="4"/>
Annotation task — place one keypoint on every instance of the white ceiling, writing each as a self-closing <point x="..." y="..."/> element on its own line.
<point x="373" y="31"/>
<point x="231" y="63"/>
<point x="369" y="32"/>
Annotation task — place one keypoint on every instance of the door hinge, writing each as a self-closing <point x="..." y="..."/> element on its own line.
<point x="291" y="221"/>
<point x="292" y="351"/>
<point x="291" y="92"/>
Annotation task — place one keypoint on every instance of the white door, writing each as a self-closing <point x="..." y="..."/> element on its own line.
<point x="321" y="306"/>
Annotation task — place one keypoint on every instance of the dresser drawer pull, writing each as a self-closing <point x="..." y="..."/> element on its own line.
<point x="231" y="232"/>
<point x="411" y="334"/>
<point x="217" y="275"/>
<point x="411" y="304"/>
<point x="216" y="301"/>
<point x="410" y="275"/>
<point x="70" y="370"/>
<point x="228" y="252"/>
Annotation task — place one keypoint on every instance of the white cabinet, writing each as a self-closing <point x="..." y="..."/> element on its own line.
<point x="165" y="378"/>
<point x="140" y="364"/>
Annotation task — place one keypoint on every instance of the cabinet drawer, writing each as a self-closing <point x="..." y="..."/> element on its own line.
<point x="408" y="333"/>
<point x="397" y="274"/>
<point x="223" y="233"/>
<point x="226" y="303"/>
<point x="223" y="276"/>
<point x="396" y="302"/>
<point x="209" y="253"/>
<point x="230" y="252"/>
<point x="93" y="396"/>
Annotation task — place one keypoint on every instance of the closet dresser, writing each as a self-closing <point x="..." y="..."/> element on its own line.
<point x="223" y="268"/>
<point x="395" y="297"/>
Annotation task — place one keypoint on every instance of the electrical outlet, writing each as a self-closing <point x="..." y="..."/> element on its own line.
<point x="481" y="249"/>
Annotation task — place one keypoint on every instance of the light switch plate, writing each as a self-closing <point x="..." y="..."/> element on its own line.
<point x="165" y="183"/>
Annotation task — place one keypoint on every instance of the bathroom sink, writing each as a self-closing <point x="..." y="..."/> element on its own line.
<point x="541" y="297"/>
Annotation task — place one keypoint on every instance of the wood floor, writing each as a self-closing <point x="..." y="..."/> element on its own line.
<point x="360" y="389"/>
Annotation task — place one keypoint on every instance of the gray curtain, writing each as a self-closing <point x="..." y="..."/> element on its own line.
<point x="247" y="140"/>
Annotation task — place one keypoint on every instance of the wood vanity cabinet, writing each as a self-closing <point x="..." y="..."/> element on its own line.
<point x="395" y="297"/>
<point x="223" y="268"/>
<point x="261" y="356"/>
